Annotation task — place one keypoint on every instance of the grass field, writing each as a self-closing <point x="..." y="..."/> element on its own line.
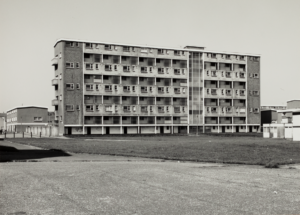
<point x="203" y="148"/>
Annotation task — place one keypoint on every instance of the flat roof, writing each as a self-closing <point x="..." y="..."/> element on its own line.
<point x="195" y="48"/>
<point x="31" y="106"/>
<point x="293" y="100"/>
<point x="289" y="110"/>
<point x="269" y="110"/>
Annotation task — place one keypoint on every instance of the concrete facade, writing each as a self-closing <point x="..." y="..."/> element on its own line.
<point x="107" y="88"/>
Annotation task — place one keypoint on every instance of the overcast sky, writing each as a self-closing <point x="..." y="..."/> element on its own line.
<point x="29" y="29"/>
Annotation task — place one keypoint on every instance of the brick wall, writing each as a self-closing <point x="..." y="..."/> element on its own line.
<point x="73" y="75"/>
<point x="253" y="84"/>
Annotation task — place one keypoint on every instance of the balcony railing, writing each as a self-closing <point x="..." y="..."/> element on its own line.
<point x="55" y="102"/>
<point x="54" y="82"/>
<point x="54" y="61"/>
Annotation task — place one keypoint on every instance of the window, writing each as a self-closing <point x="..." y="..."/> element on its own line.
<point x="126" y="68"/>
<point x="161" y="109"/>
<point x="97" y="107"/>
<point x="89" y="45"/>
<point x="160" y="89"/>
<point x="161" y="70"/>
<point x="143" y="89"/>
<point x="105" y="57"/>
<point x="69" y="107"/>
<point x="89" y="87"/>
<point x="69" y="65"/>
<point x="126" y="88"/>
<point x="160" y="51"/>
<point x="144" y="108"/>
<point x="69" y="44"/>
<point x="227" y="57"/>
<point x="144" y="69"/>
<point x="177" y="71"/>
<point x="177" y="91"/>
<point x="97" y="86"/>
<point x="97" y="46"/>
<point x="77" y="65"/>
<point x="176" y="52"/>
<point x="167" y="89"/>
<point x="126" y="108"/>
<point x="77" y="107"/>
<point x="97" y="66"/>
<point x="256" y="75"/>
<point x="255" y="92"/>
<point x="108" y="47"/>
<point x="141" y="59"/>
<point x="157" y="60"/>
<point x="36" y="118"/>
<point x="242" y="57"/>
<point x="77" y="86"/>
<point x="126" y="49"/>
<point x="150" y="69"/>
<point x="107" y="67"/>
<point x="108" y="88"/>
<point x="150" y="89"/>
<point x="133" y="88"/>
<point x="213" y="55"/>
<point x="89" y="66"/>
<point x="70" y="86"/>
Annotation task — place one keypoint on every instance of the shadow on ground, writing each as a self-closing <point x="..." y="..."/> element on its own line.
<point x="9" y="154"/>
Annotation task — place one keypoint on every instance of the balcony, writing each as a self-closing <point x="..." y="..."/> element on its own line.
<point x="54" y="61"/>
<point x="54" y="102"/>
<point x="161" y="110"/>
<point x="54" y="82"/>
<point x="177" y="110"/>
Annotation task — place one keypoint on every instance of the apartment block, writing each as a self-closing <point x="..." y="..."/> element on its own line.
<point x="109" y="88"/>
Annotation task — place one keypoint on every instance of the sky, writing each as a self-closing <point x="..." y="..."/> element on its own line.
<point x="30" y="28"/>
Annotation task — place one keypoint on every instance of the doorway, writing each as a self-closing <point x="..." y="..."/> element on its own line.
<point x="223" y="129"/>
<point x="250" y="129"/>
<point x="88" y="130"/>
<point x="125" y="130"/>
<point x="107" y="130"/>
<point x="237" y="129"/>
<point x="161" y="129"/>
<point x="69" y="131"/>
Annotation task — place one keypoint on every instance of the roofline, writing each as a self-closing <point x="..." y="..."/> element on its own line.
<point x="31" y="106"/>
<point x="293" y="100"/>
<point x="289" y="110"/>
<point x="223" y="52"/>
<point x="157" y="47"/>
<point x="273" y="105"/>
<point x="121" y="44"/>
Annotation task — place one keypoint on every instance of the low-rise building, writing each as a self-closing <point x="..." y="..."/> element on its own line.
<point x="20" y="118"/>
<point x="287" y="124"/>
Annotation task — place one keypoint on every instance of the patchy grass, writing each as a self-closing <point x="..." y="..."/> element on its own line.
<point x="203" y="148"/>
